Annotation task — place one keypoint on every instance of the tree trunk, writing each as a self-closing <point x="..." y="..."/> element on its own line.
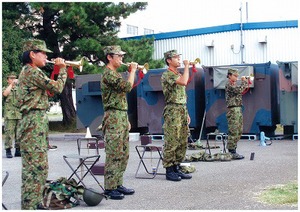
<point x="66" y="99"/>
<point x="67" y="106"/>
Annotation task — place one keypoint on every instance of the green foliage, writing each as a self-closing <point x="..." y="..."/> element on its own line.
<point x="12" y="38"/>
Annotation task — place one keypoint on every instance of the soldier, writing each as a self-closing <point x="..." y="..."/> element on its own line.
<point x="33" y="127"/>
<point x="234" y="115"/>
<point x="115" y="122"/>
<point x="11" y="115"/>
<point x="176" y="117"/>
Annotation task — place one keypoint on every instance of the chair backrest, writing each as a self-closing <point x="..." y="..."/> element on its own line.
<point x="88" y="146"/>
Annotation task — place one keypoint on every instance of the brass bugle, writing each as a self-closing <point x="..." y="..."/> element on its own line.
<point x="197" y="60"/>
<point x="144" y="68"/>
<point x="78" y="64"/>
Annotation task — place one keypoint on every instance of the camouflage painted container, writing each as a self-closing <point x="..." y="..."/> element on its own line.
<point x="89" y="103"/>
<point x="150" y="101"/>
<point x="288" y="87"/>
<point x="260" y="103"/>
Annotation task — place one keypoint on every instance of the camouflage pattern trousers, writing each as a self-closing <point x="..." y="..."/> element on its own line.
<point x="234" y="117"/>
<point x="116" y="136"/>
<point x="32" y="132"/>
<point x="176" y="131"/>
<point x="11" y="133"/>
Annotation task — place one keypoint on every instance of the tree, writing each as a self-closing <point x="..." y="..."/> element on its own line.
<point x="76" y="29"/>
<point x="12" y="38"/>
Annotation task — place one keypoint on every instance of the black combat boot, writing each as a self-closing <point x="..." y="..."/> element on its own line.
<point x="17" y="153"/>
<point x="8" y="153"/>
<point x="235" y="155"/>
<point x="171" y="175"/>
<point x="180" y="173"/>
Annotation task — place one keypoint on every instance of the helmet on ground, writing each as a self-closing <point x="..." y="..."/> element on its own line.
<point x="92" y="197"/>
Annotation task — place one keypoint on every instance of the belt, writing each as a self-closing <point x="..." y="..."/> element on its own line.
<point x="179" y="104"/>
<point x="234" y="106"/>
<point x="112" y="108"/>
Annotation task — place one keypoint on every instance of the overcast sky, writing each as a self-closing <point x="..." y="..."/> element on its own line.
<point x="174" y="15"/>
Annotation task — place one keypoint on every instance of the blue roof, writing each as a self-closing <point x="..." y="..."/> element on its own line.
<point x="218" y="29"/>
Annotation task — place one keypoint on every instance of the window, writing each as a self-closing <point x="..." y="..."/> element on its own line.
<point x="132" y="30"/>
<point x="148" y="31"/>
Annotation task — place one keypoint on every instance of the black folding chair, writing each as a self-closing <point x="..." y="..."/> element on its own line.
<point x="88" y="155"/>
<point x="3" y="182"/>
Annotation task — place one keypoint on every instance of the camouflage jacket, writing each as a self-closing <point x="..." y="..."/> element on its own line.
<point x="233" y="93"/>
<point x="173" y="92"/>
<point x="11" y="110"/>
<point x="33" y="86"/>
<point x="114" y="89"/>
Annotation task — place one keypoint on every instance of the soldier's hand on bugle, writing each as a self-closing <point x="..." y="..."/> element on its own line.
<point x="133" y="66"/>
<point x="59" y="62"/>
<point x="243" y="78"/>
<point x="186" y="63"/>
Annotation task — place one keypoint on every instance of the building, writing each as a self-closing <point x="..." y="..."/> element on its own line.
<point x="238" y="43"/>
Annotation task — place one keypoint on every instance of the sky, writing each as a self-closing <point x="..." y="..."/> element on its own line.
<point x="175" y="15"/>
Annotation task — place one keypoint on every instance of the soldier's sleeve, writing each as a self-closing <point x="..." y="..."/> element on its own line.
<point x="42" y="81"/>
<point x="117" y="83"/>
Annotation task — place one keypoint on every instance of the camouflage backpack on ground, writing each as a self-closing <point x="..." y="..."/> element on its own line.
<point x="62" y="194"/>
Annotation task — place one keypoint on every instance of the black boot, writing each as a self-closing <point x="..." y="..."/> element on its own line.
<point x="171" y="175"/>
<point x="180" y="173"/>
<point x="8" y="153"/>
<point x="17" y="153"/>
<point x="235" y="155"/>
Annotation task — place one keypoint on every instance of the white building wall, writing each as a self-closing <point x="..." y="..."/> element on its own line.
<point x="260" y="45"/>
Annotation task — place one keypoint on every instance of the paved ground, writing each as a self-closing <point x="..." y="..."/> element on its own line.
<point x="230" y="185"/>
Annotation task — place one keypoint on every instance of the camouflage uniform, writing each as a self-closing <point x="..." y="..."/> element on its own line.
<point x="233" y="96"/>
<point x="175" y="125"/>
<point x="33" y="127"/>
<point x="11" y="117"/>
<point x="115" y="127"/>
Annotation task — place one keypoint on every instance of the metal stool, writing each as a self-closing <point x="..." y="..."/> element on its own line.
<point x="3" y="182"/>
<point x="223" y="137"/>
<point x="143" y="151"/>
<point x="86" y="160"/>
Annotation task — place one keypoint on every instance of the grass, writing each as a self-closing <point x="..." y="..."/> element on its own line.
<point x="280" y="194"/>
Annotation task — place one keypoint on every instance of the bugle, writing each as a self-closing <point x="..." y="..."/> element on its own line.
<point x="78" y="64"/>
<point x="144" y="68"/>
<point x="197" y="60"/>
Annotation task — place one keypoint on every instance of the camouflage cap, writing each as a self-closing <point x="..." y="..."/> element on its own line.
<point x="113" y="50"/>
<point x="12" y="75"/>
<point x="35" y="44"/>
<point x="170" y="54"/>
<point x="232" y="71"/>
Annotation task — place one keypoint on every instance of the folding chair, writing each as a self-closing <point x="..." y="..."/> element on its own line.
<point x="86" y="159"/>
<point x="217" y="135"/>
<point x="3" y="182"/>
<point x="152" y="152"/>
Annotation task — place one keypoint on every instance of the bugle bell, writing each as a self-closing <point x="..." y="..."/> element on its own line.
<point x="251" y="77"/>
<point x="78" y="64"/>
<point x="144" y="68"/>
<point x="197" y="60"/>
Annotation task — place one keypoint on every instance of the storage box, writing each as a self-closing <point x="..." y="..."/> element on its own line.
<point x="146" y="139"/>
<point x="98" y="168"/>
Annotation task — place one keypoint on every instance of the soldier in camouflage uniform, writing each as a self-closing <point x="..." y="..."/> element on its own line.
<point x="11" y="115"/>
<point x="115" y="124"/>
<point x="176" y="117"/>
<point x="233" y="96"/>
<point x="33" y="127"/>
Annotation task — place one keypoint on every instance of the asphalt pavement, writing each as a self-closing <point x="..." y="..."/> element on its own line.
<point x="233" y="185"/>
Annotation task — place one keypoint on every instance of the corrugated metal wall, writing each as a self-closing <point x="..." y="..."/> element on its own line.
<point x="261" y="45"/>
<point x="220" y="45"/>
